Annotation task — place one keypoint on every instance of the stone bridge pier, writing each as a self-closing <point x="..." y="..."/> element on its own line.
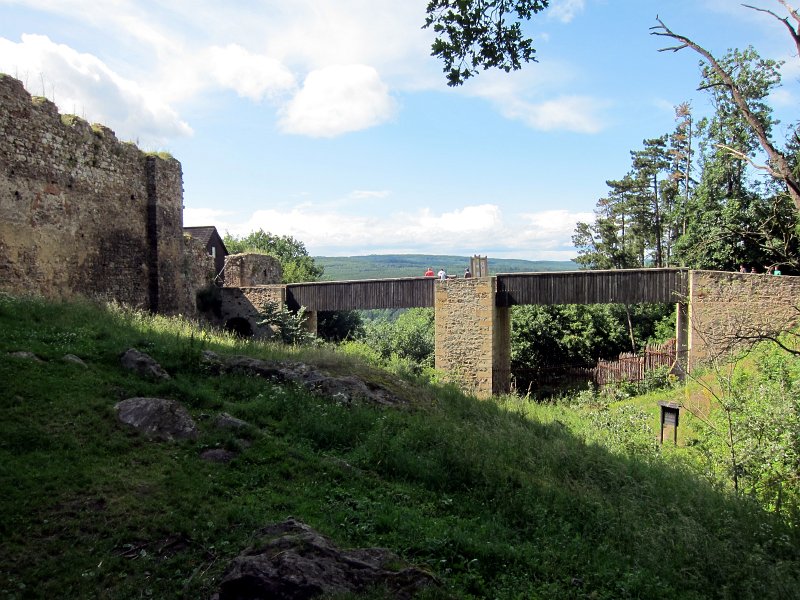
<point x="473" y="335"/>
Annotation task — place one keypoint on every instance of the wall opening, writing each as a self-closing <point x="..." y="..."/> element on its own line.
<point x="240" y="326"/>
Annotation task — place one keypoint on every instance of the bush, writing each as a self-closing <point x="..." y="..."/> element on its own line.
<point x="289" y="325"/>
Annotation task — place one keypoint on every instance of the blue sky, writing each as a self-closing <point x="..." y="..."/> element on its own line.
<point x="328" y="120"/>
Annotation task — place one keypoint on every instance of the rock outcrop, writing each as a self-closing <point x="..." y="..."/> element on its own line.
<point x="346" y="389"/>
<point x="143" y="364"/>
<point x="293" y="561"/>
<point x="157" y="418"/>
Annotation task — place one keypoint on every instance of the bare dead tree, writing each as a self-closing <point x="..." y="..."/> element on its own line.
<point x="778" y="165"/>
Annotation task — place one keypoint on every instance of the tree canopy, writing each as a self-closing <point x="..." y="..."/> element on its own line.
<point x="480" y="34"/>
<point x="781" y="163"/>
<point x="691" y="197"/>
<point x="297" y="265"/>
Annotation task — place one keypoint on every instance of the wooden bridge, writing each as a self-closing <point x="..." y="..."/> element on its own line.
<point x="629" y="286"/>
<point x="472" y="318"/>
<point x="473" y="321"/>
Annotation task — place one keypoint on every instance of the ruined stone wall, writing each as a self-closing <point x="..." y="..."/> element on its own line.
<point x="82" y="213"/>
<point x="472" y="335"/>
<point x="725" y="309"/>
<point x="250" y="269"/>
<point x="197" y="272"/>
<point x="245" y="303"/>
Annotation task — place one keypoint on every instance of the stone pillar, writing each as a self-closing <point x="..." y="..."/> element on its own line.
<point x="311" y="321"/>
<point x="472" y="335"/>
<point x="250" y="269"/>
<point x="240" y="308"/>
<point x="164" y="185"/>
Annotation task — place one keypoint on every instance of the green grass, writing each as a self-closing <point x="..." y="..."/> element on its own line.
<point x="499" y="499"/>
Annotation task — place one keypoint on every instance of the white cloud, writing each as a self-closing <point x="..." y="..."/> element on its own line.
<point x="520" y="96"/>
<point x="464" y="221"/>
<point x="368" y="194"/>
<point x="253" y="76"/>
<point x="570" y="113"/>
<point x="463" y="231"/>
<point x="336" y="100"/>
<point x="82" y="83"/>
<point x="783" y="97"/>
<point x="201" y="217"/>
<point x="552" y="225"/>
<point x="565" y="10"/>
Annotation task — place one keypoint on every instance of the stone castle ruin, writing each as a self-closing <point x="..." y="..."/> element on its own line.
<point x="82" y="213"/>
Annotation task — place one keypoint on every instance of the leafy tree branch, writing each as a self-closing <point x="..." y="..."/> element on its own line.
<point x="779" y="165"/>
<point x="480" y="34"/>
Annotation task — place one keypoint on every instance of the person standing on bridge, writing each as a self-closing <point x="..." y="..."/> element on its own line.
<point x="442" y="274"/>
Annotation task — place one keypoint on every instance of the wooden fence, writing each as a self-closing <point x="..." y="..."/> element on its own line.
<point x="634" y="366"/>
<point x="630" y="367"/>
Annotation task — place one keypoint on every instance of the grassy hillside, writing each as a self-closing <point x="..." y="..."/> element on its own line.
<point x="498" y="499"/>
<point x="378" y="266"/>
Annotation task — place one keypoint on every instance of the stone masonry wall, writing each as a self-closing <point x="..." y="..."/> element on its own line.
<point x="82" y="213"/>
<point x="249" y="269"/>
<point x="472" y="335"/>
<point x="246" y="303"/>
<point x="725" y="308"/>
<point x="198" y="271"/>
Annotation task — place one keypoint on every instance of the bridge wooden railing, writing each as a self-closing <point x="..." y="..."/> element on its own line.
<point x="407" y="292"/>
<point x="625" y="286"/>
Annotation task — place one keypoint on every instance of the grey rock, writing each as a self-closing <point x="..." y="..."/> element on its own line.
<point x="345" y="390"/>
<point x="291" y="560"/>
<point x="157" y="418"/>
<point x="143" y="364"/>
<point x="218" y="455"/>
<point x="25" y="355"/>
<point x="226" y="421"/>
<point x="71" y="358"/>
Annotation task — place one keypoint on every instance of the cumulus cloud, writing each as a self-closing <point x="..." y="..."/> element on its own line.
<point x="783" y="97"/>
<point x="201" y="217"/>
<point x="466" y="230"/>
<point x="552" y="224"/>
<point x="253" y="76"/>
<point x="565" y="10"/>
<point x="368" y="194"/>
<point x="336" y="100"/>
<point x="82" y="83"/>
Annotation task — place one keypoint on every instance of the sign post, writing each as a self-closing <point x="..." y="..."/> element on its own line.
<point x="670" y="415"/>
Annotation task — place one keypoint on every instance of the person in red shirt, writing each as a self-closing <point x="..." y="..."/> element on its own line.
<point x="429" y="272"/>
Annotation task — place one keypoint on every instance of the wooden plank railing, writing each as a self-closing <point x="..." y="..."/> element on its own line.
<point x="407" y="292"/>
<point x="623" y="286"/>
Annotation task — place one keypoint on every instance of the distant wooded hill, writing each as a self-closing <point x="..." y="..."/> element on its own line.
<point x="381" y="266"/>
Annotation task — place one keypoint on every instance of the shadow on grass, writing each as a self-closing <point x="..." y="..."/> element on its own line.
<point x="494" y="502"/>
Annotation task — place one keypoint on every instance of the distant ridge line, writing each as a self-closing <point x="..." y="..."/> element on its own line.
<point x="381" y="266"/>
